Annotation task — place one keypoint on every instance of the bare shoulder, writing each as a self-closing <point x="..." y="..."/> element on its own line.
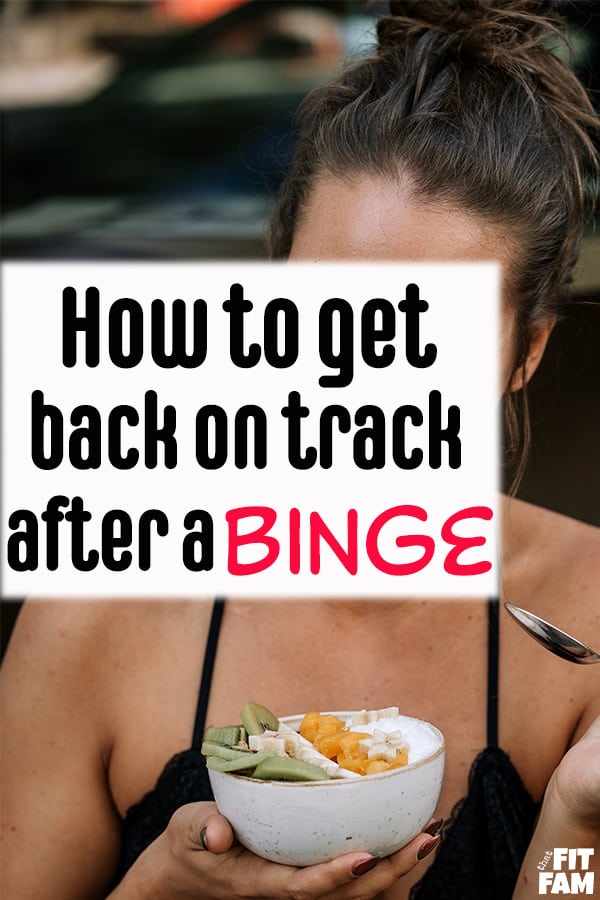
<point x="71" y="627"/>
<point x="52" y="652"/>
<point x="80" y="650"/>
<point x="554" y="560"/>
<point x="545" y="524"/>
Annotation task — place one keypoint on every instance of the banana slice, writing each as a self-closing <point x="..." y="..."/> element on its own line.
<point x="384" y="746"/>
<point x="279" y="744"/>
<point x="372" y="715"/>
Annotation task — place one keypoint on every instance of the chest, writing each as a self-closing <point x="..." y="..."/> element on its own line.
<point x="430" y="659"/>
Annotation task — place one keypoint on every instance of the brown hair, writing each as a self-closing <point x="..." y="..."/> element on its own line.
<point x="467" y="99"/>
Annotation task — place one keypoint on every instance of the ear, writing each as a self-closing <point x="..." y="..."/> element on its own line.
<point x="537" y="345"/>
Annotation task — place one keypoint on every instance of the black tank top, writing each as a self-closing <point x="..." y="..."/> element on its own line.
<point x="482" y="845"/>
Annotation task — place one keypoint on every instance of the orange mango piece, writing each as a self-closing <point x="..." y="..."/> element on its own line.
<point x="328" y="744"/>
<point x="329" y="724"/>
<point x="310" y="725"/>
<point x="383" y="765"/>
<point x="330" y="737"/>
<point x="377" y="765"/>
<point x="323" y="731"/>
<point x="354" y="765"/>
<point x="349" y="744"/>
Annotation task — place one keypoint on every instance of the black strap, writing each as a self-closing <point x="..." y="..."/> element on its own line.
<point x="207" y="671"/>
<point x="492" y="680"/>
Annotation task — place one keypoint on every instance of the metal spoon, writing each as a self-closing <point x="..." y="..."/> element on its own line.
<point x="553" y="638"/>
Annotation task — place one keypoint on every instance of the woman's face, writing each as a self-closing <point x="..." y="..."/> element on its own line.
<point x="374" y="218"/>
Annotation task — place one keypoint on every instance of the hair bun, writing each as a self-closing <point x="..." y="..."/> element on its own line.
<point x="489" y="29"/>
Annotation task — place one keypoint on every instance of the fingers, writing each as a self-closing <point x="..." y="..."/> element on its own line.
<point x="217" y="834"/>
<point x="375" y="875"/>
<point x="404" y="860"/>
<point x="428" y="846"/>
<point x="200" y="834"/>
<point x="434" y="828"/>
<point x="204" y="828"/>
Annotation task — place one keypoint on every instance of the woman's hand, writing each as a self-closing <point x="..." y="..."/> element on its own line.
<point x="197" y="857"/>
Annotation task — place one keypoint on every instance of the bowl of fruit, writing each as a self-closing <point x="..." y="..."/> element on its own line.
<point x="306" y="788"/>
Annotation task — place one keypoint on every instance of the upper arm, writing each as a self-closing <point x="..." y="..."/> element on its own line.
<point x="591" y="709"/>
<point x="60" y="830"/>
<point x="585" y="571"/>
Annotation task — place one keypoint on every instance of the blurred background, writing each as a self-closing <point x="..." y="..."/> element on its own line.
<point x="144" y="129"/>
<point x="136" y="128"/>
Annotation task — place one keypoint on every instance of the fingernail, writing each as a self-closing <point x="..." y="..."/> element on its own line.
<point x="361" y="868"/>
<point x="429" y="845"/>
<point x="203" y="839"/>
<point x="434" y="828"/>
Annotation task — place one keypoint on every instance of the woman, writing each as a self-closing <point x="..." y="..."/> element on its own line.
<point x="463" y="138"/>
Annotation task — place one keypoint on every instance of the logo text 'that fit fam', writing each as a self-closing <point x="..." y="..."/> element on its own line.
<point x="566" y="870"/>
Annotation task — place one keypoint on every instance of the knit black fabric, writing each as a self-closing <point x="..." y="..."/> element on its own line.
<point x="183" y="780"/>
<point x="479" y="857"/>
<point x="484" y="842"/>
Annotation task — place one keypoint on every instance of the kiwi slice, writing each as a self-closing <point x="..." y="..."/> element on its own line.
<point x="243" y="763"/>
<point x="209" y="748"/>
<point x="282" y="768"/>
<point x="229" y="735"/>
<point x="257" y="718"/>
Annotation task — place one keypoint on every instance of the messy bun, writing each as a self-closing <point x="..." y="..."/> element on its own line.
<point x="466" y="99"/>
<point x="485" y="30"/>
<point x="511" y="36"/>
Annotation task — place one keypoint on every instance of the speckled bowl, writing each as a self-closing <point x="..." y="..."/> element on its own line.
<point x="304" y="823"/>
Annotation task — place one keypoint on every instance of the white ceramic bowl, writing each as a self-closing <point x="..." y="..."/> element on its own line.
<point x="304" y="823"/>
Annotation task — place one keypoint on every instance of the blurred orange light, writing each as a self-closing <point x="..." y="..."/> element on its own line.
<point x="196" y="10"/>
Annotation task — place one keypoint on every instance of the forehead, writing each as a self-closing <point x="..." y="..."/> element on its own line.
<point x="369" y="217"/>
